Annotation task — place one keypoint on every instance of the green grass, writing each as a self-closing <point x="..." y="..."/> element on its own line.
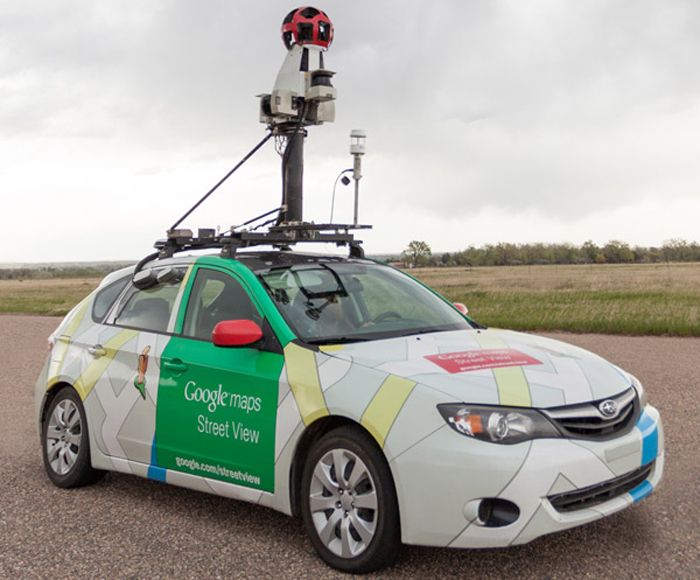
<point x="53" y="297"/>
<point x="646" y="313"/>
<point x="647" y="299"/>
<point x="626" y="299"/>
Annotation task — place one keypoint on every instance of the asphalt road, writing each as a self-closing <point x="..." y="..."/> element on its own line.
<point x="130" y="527"/>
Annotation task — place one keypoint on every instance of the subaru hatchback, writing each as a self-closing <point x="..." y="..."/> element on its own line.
<point x="344" y="392"/>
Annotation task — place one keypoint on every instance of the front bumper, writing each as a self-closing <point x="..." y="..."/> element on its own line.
<point x="441" y="481"/>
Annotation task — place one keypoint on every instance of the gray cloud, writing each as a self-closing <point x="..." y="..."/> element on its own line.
<point x="562" y="108"/>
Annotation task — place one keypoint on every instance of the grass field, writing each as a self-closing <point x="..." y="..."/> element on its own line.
<point x="52" y="297"/>
<point x="652" y="299"/>
<point x="613" y="299"/>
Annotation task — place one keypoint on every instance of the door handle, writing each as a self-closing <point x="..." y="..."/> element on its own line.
<point x="175" y="365"/>
<point x="97" y="350"/>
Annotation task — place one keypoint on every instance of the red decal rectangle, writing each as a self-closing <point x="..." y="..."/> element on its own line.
<point x="474" y="360"/>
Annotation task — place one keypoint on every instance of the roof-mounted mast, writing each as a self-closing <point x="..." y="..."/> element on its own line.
<point x="303" y="95"/>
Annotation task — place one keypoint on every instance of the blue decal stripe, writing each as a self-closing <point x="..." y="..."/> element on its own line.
<point x="650" y="447"/>
<point x="641" y="491"/>
<point x="645" y="422"/>
<point x="155" y="472"/>
<point x="650" y="438"/>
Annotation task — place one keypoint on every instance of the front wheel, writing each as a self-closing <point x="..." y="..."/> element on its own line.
<point x="349" y="503"/>
<point x="65" y="442"/>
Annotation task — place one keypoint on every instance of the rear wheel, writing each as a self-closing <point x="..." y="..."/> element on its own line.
<point x="65" y="443"/>
<point x="349" y="503"/>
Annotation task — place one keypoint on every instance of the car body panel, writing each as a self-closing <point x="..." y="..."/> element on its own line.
<point x="561" y="374"/>
<point x="463" y="471"/>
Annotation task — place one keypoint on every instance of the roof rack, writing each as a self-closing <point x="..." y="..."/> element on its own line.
<point x="280" y="236"/>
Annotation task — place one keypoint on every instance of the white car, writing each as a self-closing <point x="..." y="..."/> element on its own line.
<point x="347" y="393"/>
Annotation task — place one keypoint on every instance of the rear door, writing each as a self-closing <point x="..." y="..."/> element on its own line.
<point x="123" y="376"/>
<point x="217" y="406"/>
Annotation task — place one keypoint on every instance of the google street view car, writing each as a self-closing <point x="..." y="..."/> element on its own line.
<point x="346" y="392"/>
<point x="335" y="388"/>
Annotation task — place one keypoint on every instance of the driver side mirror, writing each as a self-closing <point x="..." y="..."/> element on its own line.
<point x="236" y="333"/>
<point x="461" y="307"/>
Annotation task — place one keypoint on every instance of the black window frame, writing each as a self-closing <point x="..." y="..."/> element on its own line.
<point x="131" y="290"/>
<point x="124" y="281"/>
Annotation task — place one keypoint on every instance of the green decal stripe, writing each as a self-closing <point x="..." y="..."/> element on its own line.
<point x="217" y="407"/>
<point x="513" y="388"/>
<point x="380" y="414"/>
<point x="302" y="375"/>
<point x="97" y="367"/>
<point x="63" y="342"/>
<point x="184" y="294"/>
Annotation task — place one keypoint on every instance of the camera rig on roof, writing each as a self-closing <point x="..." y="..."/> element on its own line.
<point x="303" y="95"/>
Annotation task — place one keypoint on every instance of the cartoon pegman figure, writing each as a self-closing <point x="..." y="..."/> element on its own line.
<point x="140" y="379"/>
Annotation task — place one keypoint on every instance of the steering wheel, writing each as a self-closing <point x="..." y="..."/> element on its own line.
<point x="389" y="315"/>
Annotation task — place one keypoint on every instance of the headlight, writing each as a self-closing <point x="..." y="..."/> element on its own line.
<point x="497" y="424"/>
<point x="640" y="391"/>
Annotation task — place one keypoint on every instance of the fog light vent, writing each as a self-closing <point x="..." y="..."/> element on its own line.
<point x="495" y="512"/>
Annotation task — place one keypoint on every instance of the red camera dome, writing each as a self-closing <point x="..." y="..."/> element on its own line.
<point x="307" y="25"/>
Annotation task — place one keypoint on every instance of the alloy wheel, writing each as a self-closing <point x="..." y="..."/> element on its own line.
<point x="343" y="503"/>
<point x="63" y="437"/>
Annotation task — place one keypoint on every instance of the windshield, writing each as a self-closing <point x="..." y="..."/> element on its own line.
<point x="348" y="302"/>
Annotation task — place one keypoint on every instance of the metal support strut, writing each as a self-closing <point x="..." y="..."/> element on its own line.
<point x="293" y="174"/>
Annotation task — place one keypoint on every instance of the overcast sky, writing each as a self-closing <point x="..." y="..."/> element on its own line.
<point x="517" y="121"/>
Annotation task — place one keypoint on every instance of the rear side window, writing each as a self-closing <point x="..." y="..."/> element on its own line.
<point x="106" y="297"/>
<point x="149" y="309"/>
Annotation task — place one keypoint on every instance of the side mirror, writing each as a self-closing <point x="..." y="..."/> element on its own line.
<point x="461" y="307"/>
<point x="236" y="333"/>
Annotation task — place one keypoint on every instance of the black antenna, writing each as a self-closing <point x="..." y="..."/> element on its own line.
<point x="224" y="178"/>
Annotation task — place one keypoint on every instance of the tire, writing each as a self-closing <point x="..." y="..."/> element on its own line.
<point x="347" y="537"/>
<point x="65" y="442"/>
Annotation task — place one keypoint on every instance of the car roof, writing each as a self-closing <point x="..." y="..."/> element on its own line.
<point x="257" y="260"/>
<point x="260" y="261"/>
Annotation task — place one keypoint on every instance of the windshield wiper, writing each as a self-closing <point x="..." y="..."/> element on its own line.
<point x="337" y="340"/>
<point x="415" y="331"/>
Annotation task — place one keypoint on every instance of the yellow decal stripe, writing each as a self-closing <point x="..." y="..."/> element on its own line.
<point x="380" y="414"/>
<point x="513" y="388"/>
<point x="302" y="375"/>
<point x="331" y="347"/>
<point x="96" y="368"/>
<point x="63" y="342"/>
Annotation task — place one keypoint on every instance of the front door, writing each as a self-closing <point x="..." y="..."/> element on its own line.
<point x="217" y="406"/>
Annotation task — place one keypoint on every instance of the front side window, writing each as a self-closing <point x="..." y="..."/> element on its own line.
<point x="215" y="297"/>
<point x="346" y="302"/>
<point x="150" y="308"/>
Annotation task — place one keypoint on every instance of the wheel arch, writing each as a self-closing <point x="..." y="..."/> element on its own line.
<point x="49" y="396"/>
<point x="311" y="434"/>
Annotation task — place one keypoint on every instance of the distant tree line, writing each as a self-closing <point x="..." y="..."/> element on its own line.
<point x="505" y="254"/>
<point x="58" y="271"/>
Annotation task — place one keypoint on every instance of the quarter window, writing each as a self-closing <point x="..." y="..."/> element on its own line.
<point x="106" y="297"/>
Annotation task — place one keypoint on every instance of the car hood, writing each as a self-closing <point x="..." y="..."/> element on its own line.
<point x="492" y="367"/>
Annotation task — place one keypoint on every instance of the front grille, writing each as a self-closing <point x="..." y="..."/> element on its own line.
<point x="600" y="492"/>
<point x="586" y="421"/>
